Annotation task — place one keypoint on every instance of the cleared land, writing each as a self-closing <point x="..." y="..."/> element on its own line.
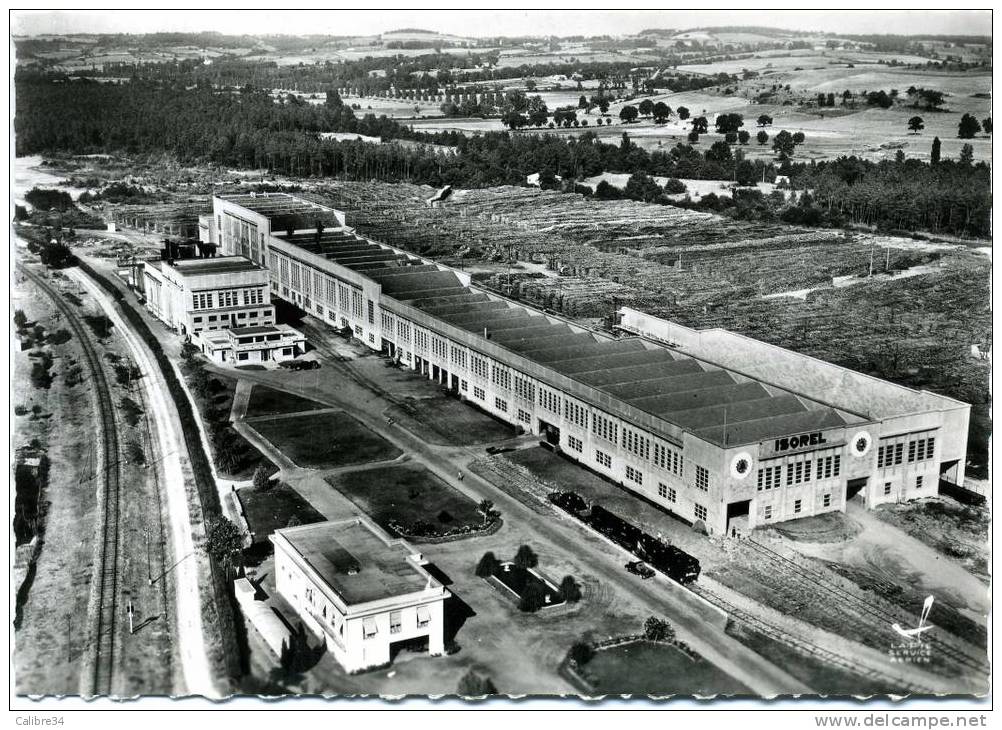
<point x="325" y="440"/>
<point x="407" y="496"/>
<point x="265" y="401"/>
<point x="644" y="668"/>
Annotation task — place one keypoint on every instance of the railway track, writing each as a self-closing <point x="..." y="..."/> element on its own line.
<point x="98" y="678"/>
<point x="815" y="579"/>
<point x="806" y="647"/>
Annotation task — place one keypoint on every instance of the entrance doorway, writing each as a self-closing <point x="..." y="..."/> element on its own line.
<point x="549" y="432"/>
<point x="854" y="487"/>
<point x="737" y="518"/>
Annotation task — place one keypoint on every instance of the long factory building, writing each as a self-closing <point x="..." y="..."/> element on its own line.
<point x="712" y="426"/>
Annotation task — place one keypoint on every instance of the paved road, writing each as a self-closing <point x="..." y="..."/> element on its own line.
<point x="699" y="625"/>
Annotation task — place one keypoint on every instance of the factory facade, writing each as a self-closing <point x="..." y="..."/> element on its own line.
<point x="364" y="593"/>
<point x="716" y="428"/>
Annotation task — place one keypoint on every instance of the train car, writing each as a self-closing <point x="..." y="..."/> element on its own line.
<point x="670" y="560"/>
<point x="571" y="502"/>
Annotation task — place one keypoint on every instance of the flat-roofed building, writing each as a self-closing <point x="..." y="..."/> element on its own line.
<point x="196" y="295"/>
<point x="247" y="345"/>
<point x="732" y="436"/>
<point x="363" y="592"/>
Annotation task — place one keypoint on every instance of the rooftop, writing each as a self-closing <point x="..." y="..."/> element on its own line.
<point x="285" y="210"/>
<point x="358" y="563"/>
<point x="216" y="265"/>
<point x="714" y="402"/>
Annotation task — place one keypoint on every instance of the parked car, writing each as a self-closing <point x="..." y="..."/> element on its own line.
<point x="300" y="365"/>
<point x="639" y="567"/>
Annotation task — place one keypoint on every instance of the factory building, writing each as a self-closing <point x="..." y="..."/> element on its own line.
<point x="253" y="345"/>
<point x="364" y="593"/>
<point x="716" y="428"/>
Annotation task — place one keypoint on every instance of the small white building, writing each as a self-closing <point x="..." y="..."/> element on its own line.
<point x="363" y="592"/>
<point x="246" y="345"/>
<point x="196" y="295"/>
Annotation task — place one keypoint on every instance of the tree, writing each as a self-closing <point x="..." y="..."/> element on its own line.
<point x="260" y="479"/>
<point x="729" y="123"/>
<point x="581" y="653"/>
<point x="693" y="136"/>
<point x="762" y="137"/>
<point x="188" y="352"/>
<point x="798" y="138"/>
<point x="487" y="566"/>
<point x="223" y="540"/>
<point x="700" y="125"/>
<point x="628" y="114"/>
<point x="764" y="120"/>
<point x="570" y="590"/>
<point x="661" y="112"/>
<point x="674" y="186"/>
<point x="934" y="155"/>
<point x="683" y="113"/>
<point x="583" y="102"/>
<point x="916" y="125"/>
<point x="968" y="127"/>
<point x="745" y="173"/>
<point x="533" y="597"/>
<point x="719" y="151"/>
<point x="744" y="136"/>
<point x="473" y="685"/>
<point x="642" y="187"/>
<point x="731" y="138"/>
<point x="20" y="319"/>
<point x="525" y="558"/>
<point x="656" y="629"/>
<point x="486" y="509"/>
<point x="538" y="112"/>
<point x="966" y="154"/>
<point x="646" y="107"/>
<point x="783" y="143"/>
<point x="986" y="125"/>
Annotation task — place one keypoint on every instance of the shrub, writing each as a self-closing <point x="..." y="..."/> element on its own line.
<point x="20" y="410"/>
<point x="487" y="566"/>
<point x="473" y="685"/>
<point x="134" y="453"/>
<point x="674" y="186"/>
<point x="582" y="653"/>
<point x="570" y="591"/>
<point x="261" y="480"/>
<point x="525" y="557"/>
<point x="656" y="629"/>
<point x="20" y="319"/>
<point x="533" y="598"/>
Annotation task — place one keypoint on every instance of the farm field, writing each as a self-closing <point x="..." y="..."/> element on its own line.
<point x="325" y="440"/>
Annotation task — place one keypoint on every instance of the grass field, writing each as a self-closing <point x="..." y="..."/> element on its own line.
<point x="644" y="668"/>
<point x="406" y="494"/>
<point x="325" y="440"/>
<point x="265" y="401"/>
<point x="448" y="421"/>
<point x="274" y="508"/>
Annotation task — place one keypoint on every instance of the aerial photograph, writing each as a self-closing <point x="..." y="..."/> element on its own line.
<point x="587" y="356"/>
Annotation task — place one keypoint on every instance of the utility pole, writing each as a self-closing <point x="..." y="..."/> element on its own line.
<point x="871" y="258"/>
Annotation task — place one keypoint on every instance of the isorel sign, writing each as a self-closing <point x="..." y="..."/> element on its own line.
<point x="788" y="443"/>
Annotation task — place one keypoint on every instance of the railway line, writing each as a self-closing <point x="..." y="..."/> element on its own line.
<point x="98" y="677"/>
<point x="817" y="581"/>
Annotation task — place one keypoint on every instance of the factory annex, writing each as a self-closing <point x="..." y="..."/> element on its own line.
<point x="715" y="427"/>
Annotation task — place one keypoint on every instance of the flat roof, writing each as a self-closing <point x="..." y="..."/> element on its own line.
<point x="255" y="329"/>
<point x="357" y="563"/>
<point x="216" y="265"/>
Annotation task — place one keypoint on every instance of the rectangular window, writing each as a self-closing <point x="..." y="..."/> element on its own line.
<point x="636" y="444"/>
<point x="700" y="512"/>
<point x="423" y="617"/>
<point x="918" y="482"/>
<point x="665" y="492"/>
<point x="767" y="512"/>
<point x="911" y="451"/>
<point x="575" y="444"/>
<point x="604" y="459"/>
<point x="464" y="385"/>
<point x="768" y="477"/>
<point x="929" y="443"/>
<point x="478" y="393"/>
<point x="549" y="400"/>
<point x="526" y="417"/>
<point x="702" y="479"/>
<point x="826" y="500"/>
<point x="396" y="622"/>
<point x="479" y="367"/>
<point x="797" y="504"/>
<point x="898" y="453"/>
<point x="887" y="488"/>
<point x="667" y="458"/>
<point x="576" y="414"/>
<point x="368" y="628"/>
<point x="501" y="405"/>
<point x="370" y="308"/>
<point x="525" y="389"/>
<point x="458" y="357"/>
<point x="634" y="475"/>
<point x="605" y="428"/>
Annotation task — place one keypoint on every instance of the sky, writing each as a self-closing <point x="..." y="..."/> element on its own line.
<point x="495" y="22"/>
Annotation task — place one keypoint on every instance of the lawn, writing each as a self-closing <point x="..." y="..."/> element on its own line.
<point x="273" y="509"/>
<point x="408" y="499"/>
<point x="325" y="440"/>
<point x="265" y="401"/>
<point x="643" y="668"/>
<point x="448" y="421"/>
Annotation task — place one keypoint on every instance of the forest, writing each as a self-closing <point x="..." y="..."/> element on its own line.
<point x="250" y="129"/>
